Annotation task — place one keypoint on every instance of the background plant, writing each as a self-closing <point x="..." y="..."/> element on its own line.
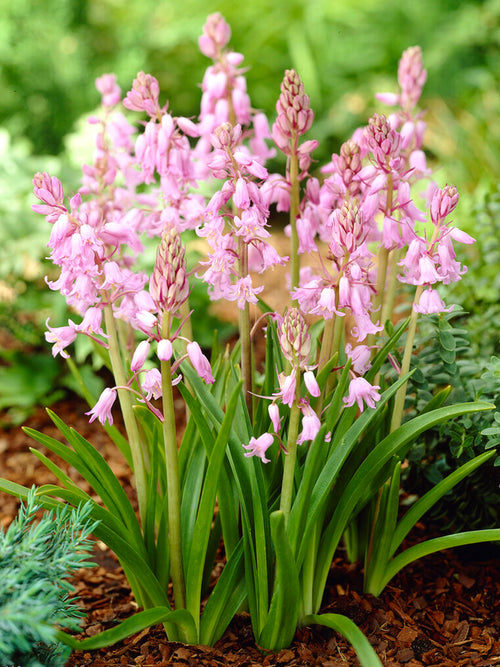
<point x="37" y="558"/>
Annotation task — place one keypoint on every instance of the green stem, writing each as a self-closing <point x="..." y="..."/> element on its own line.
<point x="382" y="264"/>
<point x="290" y="458"/>
<point x="397" y="414"/>
<point x="173" y="478"/>
<point x="124" y="396"/>
<point x="390" y="293"/>
<point x="294" y="211"/>
<point x="245" y="340"/>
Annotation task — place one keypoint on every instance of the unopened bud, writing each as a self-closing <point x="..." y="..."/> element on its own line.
<point x="294" y="114"/>
<point x="381" y="138"/>
<point x="444" y="201"/>
<point x="168" y="285"/>
<point x="411" y="77"/>
<point x="295" y="341"/>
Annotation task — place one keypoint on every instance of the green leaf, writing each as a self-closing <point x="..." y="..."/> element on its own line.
<point x="432" y="546"/>
<point x="428" y="500"/>
<point x="225" y="600"/>
<point x="360" y="488"/>
<point x="348" y="629"/>
<point x="281" y="624"/>
<point x="180" y="622"/>
<point x="201" y="532"/>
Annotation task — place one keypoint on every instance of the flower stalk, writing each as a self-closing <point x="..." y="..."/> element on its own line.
<point x="173" y="478"/>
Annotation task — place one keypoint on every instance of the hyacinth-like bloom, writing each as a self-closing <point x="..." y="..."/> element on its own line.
<point x="109" y="89"/>
<point x="295" y="343"/>
<point x="169" y="285"/>
<point x="411" y="78"/>
<point x="248" y="224"/>
<point x="294" y="114"/>
<point x="342" y="181"/>
<point x="295" y="117"/>
<point x="216" y="35"/>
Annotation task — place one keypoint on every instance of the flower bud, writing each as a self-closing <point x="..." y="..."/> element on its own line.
<point x="294" y="115"/>
<point x="444" y="201"/>
<point x="168" y="285"/>
<point x="216" y="34"/>
<point x="295" y="341"/>
<point x="411" y="77"/>
<point x="382" y="140"/>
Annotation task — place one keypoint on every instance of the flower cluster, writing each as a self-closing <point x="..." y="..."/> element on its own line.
<point x="363" y="204"/>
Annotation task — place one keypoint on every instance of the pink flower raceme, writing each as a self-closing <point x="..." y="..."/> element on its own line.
<point x="144" y="95"/>
<point x="247" y="221"/>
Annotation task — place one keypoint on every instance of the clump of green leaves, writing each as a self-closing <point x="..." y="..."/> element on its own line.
<point x="36" y="560"/>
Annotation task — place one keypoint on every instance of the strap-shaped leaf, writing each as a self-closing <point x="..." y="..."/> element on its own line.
<point x="429" y="499"/>
<point x="281" y="624"/>
<point x="225" y="600"/>
<point x="348" y="629"/>
<point x="180" y="627"/>
<point x="102" y="479"/>
<point x="432" y="546"/>
<point x="201" y="532"/>
<point x="360" y="486"/>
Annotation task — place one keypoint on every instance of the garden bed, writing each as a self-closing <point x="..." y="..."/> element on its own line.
<point x="446" y="615"/>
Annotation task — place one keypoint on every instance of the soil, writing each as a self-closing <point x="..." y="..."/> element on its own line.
<point x="443" y="610"/>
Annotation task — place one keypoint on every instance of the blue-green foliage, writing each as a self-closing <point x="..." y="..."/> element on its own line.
<point x="36" y="560"/>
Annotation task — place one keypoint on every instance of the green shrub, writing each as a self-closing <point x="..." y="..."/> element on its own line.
<point x="36" y="560"/>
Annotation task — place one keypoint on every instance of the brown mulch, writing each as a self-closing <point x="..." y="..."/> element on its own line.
<point x="443" y="610"/>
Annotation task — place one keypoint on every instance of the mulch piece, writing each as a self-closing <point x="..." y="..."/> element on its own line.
<point x="443" y="610"/>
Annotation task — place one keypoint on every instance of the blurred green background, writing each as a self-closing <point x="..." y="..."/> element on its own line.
<point x="345" y="50"/>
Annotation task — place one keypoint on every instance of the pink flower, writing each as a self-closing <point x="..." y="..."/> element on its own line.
<point x="274" y="414"/>
<point x="431" y="302"/>
<point x="360" y="356"/>
<point x="102" y="409"/>
<point x="310" y="424"/>
<point x="288" y="384"/>
<point x="61" y="337"/>
<point x="216" y="34"/>
<point x="200" y="362"/>
<point x="259" y="446"/>
<point x="151" y="384"/>
<point x="361" y="390"/>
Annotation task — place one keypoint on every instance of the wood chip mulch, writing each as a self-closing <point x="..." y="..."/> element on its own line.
<point x="443" y="610"/>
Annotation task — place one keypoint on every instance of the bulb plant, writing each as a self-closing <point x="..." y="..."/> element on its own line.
<point x="280" y="464"/>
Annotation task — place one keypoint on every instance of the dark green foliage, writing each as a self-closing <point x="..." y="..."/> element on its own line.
<point x="36" y="560"/>
<point x="446" y="358"/>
